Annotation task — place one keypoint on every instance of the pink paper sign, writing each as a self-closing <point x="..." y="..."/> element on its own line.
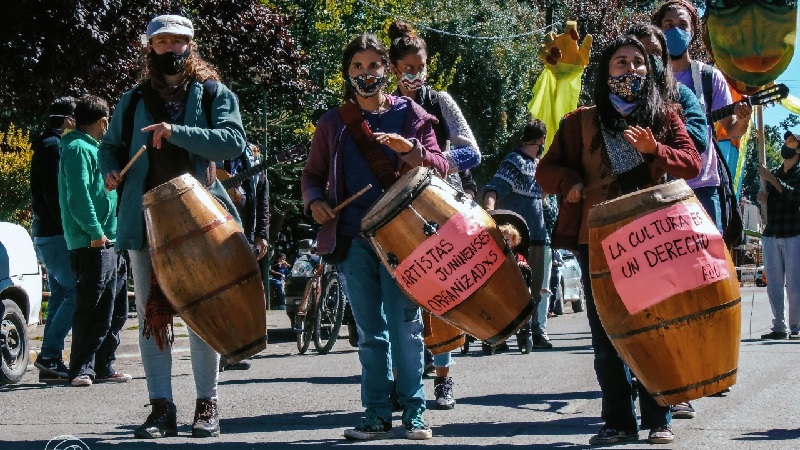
<point x="448" y="267"/>
<point x="665" y="253"/>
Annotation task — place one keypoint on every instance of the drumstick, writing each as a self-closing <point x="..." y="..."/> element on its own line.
<point x="130" y="163"/>
<point x="351" y="198"/>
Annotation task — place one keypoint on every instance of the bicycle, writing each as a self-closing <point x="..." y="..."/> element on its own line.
<point x="321" y="311"/>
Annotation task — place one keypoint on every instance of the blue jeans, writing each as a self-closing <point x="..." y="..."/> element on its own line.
<point x="100" y="310"/>
<point x="443" y="360"/>
<point x="614" y="377"/>
<point x="709" y="198"/>
<point x="52" y="252"/>
<point x="389" y="330"/>
<point x="539" y="318"/>
<point x="780" y="257"/>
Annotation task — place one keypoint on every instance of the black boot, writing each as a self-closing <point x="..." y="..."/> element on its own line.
<point x="206" y="418"/>
<point x="443" y="389"/>
<point x="160" y="423"/>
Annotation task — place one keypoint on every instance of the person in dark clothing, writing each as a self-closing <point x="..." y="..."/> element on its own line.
<point x="48" y="239"/>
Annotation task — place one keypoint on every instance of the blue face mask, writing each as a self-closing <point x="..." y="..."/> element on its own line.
<point x="622" y="106"/>
<point x="678" y="41"/>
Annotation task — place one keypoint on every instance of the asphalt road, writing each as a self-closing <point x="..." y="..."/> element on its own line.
<point x="548" y="399"/>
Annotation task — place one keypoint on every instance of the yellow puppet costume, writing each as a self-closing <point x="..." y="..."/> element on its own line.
<point x="752" y="42"/>
<point x="558" y="87"/>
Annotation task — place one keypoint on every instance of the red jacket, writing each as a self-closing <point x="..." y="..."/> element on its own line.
<point x="578" y="155"/>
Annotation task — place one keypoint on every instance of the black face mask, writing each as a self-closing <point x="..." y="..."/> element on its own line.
<point x="658" y="67"/>
<point x="788" y="152"/>
<point x="169" y="63"/>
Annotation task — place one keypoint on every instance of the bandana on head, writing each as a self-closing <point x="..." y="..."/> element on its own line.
<point x="627" y="86"/>
<point x="413" y="82"/>
<point x="367" y="85"/>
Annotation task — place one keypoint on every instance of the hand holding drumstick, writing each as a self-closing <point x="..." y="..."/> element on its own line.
<point x="323" y="212"/>
<point x="114" y="178"/>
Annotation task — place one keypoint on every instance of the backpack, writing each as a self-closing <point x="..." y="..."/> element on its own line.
<point x="732" y="225"/>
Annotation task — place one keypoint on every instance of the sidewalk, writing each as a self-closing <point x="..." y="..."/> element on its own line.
<point x="277" y="327"/>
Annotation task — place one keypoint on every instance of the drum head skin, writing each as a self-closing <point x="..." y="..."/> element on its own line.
<point x="630" y="205"/>
<point x="396" y="198"/>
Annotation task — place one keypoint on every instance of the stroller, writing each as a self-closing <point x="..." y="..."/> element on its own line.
<point x="524" y="337"/>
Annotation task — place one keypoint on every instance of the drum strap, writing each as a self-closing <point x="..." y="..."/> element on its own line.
<point x="369" y="147"/>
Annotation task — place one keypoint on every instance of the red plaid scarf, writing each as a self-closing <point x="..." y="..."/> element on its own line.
<point x="158" y="316"/>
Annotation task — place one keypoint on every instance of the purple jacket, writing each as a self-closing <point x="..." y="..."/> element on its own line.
<point x="324" y="167"/>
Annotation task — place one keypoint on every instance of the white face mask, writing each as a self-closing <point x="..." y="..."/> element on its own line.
<point x="413" y="82"/>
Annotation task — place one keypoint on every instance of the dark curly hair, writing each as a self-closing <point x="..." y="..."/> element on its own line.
<point x="404" y="41"/>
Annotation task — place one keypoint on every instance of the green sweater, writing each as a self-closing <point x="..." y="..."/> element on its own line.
<point x="87" y="211"/>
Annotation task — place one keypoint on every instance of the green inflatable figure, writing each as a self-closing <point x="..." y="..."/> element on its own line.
<point x="752" y="41"/>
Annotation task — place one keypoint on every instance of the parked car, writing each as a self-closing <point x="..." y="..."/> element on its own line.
<point x="20" y="299"/>
<point x="567" y="284"/>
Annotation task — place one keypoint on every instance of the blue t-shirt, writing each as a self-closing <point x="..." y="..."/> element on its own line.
<point x="357" y="172"/>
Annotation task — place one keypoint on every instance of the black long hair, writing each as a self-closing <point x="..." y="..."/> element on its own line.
<point x="651" y="112"/>
<point x="358" y="44"/>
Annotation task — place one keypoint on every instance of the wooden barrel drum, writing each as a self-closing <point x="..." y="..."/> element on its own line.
<point x="440" y="336"/>
<point x="205" y="267"/>
<point x="666" y="291"/>
<point x="448" y="256"/>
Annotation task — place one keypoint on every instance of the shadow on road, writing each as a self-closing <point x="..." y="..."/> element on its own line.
<point x="771" y="435"/>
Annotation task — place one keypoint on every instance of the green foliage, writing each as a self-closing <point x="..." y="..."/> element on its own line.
<point x="15" y="163"/>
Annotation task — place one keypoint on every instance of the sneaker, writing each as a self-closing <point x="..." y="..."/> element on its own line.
<point x="608" y="435"/>
<point x="774" y="335"/>
<point x="722" y="393"/>
<point x="415" y="425"/>
<point x="661" y="435"/>
<point x="372" y="427"/>
<point x="682" y="411"/>
<point x="54" y="367"/>
<point x="443" y="389"/>
<point x="82" y="380"/>
<point x="542" y="341"/>
<point x="114" y="377"/>
<point x="794" y="335"/>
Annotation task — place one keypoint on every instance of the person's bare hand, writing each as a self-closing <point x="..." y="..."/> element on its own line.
<point x="575" y="193"/>
<point x="112" y="181"/>
<point x="160" y="131"/>
<point x="743" y="110"/>
<point x="642" y="139"/>
<point x="260" y="247"/>
<point x="99" y="243"/>
<point x="394" y="141"/>
<point x="322" y="211"/>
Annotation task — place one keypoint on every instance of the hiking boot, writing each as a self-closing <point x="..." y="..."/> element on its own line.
<point x="608" y="435"/>
<point x="241" y="365"/>
<point x="682" y="411"/>
<point x="794" y="335"/>
<point x="773" y="335"/>
<point x="542" y="341"/>
<point x="415" y="424"/>
<point x="114" y="377"/>
<point x="161" y="422"/>
<point x="372" y="427"/>
<point x="81" y="381"/>
<point x="443" y="389"/>
<point x="661" y="435"/>
<point x="206" y="418"/>
<point x="52" y="367"/>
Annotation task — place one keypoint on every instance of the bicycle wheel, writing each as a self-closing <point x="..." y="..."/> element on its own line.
<point x="330" y="311"/>
<point x="303" y="320"/>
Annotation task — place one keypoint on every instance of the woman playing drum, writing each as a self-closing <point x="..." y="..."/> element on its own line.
<point x="372" y="138"/>
<point x="627" y="142"/>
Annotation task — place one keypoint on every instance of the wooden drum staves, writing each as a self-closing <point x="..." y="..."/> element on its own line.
<point x="205" y="267"/>
<point x="448" y="256"/>
<point x="666" y="291"/>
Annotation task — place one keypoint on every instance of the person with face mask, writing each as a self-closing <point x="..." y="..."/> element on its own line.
<point x="372" y="139"/>
<point x="630" y="140"/>
<point x="408" y="55"/>
<point x="679" y="21"/>
<point x="513" y="187"/>
<point x="90" y="228"/>
<point x="185" y="128"/>
<point x="781" y="239"/>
